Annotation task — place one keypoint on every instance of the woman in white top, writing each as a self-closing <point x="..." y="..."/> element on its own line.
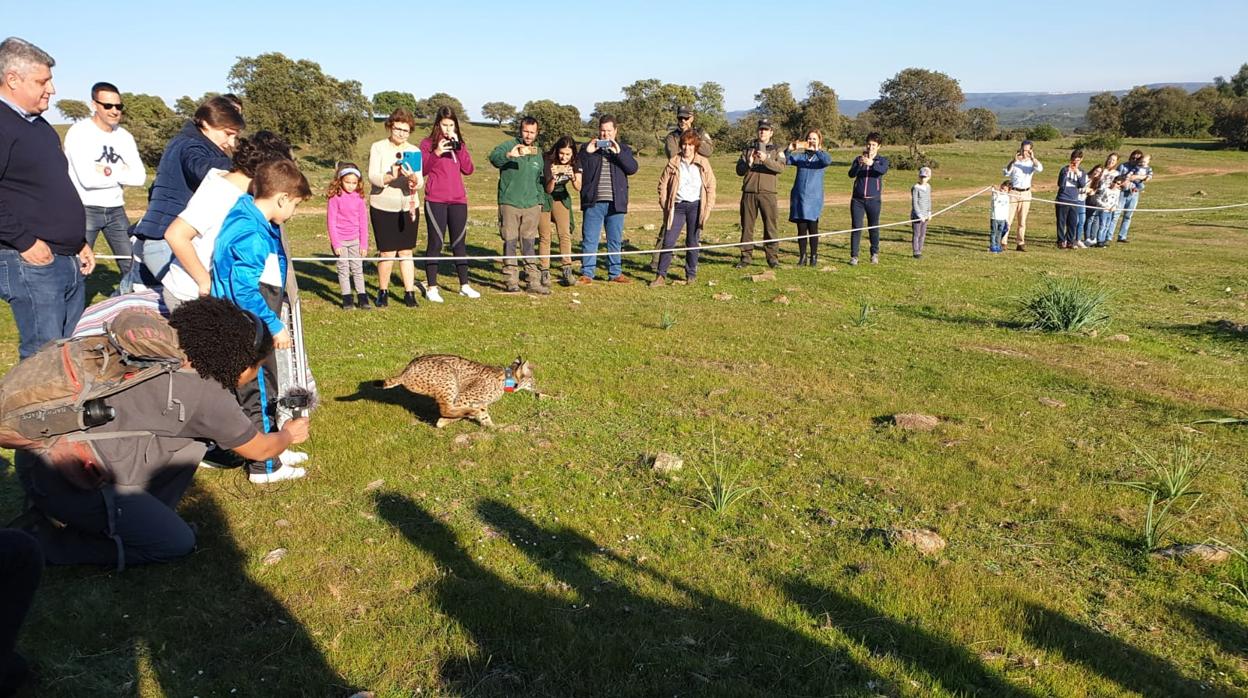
<point x="393" y="205"/>
<point x="686" y="195"/>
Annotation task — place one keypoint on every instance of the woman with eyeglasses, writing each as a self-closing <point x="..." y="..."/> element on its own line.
<point x="206" y="142"/>
<point x="393" y="205"/>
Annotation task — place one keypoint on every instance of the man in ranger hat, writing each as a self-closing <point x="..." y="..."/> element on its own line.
<point x="758" y="166"/>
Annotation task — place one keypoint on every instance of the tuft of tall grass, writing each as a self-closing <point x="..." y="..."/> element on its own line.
<point x="720" y="491"/>
<point x="866" y="315"/>
<point x="1065" y="305"/>
<point x="1171" y="493"/>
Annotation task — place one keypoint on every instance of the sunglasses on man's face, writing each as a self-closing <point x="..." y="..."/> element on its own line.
<point x="107" y="106"/>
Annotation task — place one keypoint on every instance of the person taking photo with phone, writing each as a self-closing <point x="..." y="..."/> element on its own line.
<point x="520" y="197"/>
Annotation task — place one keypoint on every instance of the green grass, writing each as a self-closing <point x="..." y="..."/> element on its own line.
<point x="549" y="562"/>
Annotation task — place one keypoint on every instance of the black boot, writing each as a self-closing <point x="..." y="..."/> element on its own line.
<point x="348" y="301"/>
<point x="361" y="301"/>
<point x="813" y="261"/>
<point x="801" y="259"/>
<point x="409" y="299"/>
<point x="383" y="298"/>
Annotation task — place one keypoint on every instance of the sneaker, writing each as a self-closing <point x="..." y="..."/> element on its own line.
<point x="284" y="472"/>
<point x="1123" y="240"/>
<point x="918" y="255"/>
<point x="361" y="301"/>
<point x="348" y="301"/>
<point x="1020" y="247"/>
<point x="292" y="458"/>
<point x="468" y="291"/>
<point x="853" y="261"/>
<point x="621" y="279"/>
<point x="658" y="281"/>
<point x="583" y="281"/>
<point x="433" y="295"/>
<point x="875" y="258"/>
<point x="409" y="299"/>
<point x="1079" y="245"/>
<point x="691" y="279"/>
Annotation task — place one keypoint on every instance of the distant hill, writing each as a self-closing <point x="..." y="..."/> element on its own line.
<point x="1064" y="110"/>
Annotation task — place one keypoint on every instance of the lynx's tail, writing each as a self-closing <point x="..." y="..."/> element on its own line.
<point x="388" y="383"/>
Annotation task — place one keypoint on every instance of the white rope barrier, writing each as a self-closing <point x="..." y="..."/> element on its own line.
<point x="727" y="245"/>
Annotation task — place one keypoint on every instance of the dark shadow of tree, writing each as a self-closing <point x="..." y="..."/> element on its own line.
<point x="1131" y="668"/>
<point x="200" y="626"/>
<point x="1232" y="637"/>
<point x="955" y="668"/>
<point x="588" y="634"/>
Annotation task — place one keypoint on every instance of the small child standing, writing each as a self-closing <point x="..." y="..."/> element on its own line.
<point x="1108" y="199"/>
<point x="999" y="218"/>
<point x="249" y="269"/>
<point x="920" y="210"/>
<point x="346" y="216"/>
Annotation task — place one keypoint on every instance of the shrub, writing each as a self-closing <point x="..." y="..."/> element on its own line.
<point x="913" y="162"/>
<point x="1044" y="132"/>
<point x="1099" y="141"/>
<point x="1065" y="305"/>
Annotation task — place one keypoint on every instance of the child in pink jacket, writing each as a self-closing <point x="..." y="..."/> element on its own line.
<point x="346" y="216"/>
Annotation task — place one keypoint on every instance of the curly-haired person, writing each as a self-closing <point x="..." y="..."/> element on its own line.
<point x="125" y="512"/>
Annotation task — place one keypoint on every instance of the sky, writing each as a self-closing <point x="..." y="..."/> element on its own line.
<point x="582" y="53"/>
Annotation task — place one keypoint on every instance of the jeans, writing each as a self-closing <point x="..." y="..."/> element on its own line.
<point x="597" y="216"/>
<point x="1081" y="222"/>
<point x="1128" y="204"/>
<point x="47" y="300"/>
<point x="997" y="230"/>
<point x="1067" y="219"/>
<point x="156" y="256"/>
<point x="1105" y="226"/>
<point x="686" y="215"/>
<point x="116" y="228"/>
<point x="857" y="208"/>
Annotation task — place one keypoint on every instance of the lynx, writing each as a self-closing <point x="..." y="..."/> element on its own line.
<point x="464" y="389"/>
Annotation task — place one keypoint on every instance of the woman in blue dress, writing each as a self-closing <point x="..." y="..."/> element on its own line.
<point x="806" y="199"/>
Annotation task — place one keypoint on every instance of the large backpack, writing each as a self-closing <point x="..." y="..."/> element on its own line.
<point x="62" y="388"/>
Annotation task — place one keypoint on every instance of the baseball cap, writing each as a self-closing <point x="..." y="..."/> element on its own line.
<point x="925" y="172"/>
<point x="683" y="111"/>
<point x="765" y="123"/>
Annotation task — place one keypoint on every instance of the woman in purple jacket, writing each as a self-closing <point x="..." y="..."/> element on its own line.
<point x="868" y="171"/>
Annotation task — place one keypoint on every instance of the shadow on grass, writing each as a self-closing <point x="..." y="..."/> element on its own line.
<point x="1131" y="668"/>
<point x="199" y="626"/>
<point x="589" y="634"/>
<point x="1216" y="225"/>
<point x="1232" y="637"/>
<point x="955" y="668"/>
<point x="1218" y="330"/>
<point x="102" y="282"/>
<point x="421" y="407"/>
<point x="927" y="312"/>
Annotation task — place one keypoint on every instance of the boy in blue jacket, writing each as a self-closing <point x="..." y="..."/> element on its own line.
<point x="249" y="269"/>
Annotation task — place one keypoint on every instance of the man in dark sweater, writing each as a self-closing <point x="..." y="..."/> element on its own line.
<point x="758" y="166"/>
<point x="43" y="256"/>
<point x="606" y="164"/>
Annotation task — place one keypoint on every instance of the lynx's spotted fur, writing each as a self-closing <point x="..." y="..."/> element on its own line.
<point x="463" y="389"/>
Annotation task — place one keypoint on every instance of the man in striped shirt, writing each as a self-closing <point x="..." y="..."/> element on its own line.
<point x="606" y="164"/>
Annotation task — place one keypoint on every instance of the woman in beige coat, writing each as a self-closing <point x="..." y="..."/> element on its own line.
<point x="686" y="195"/>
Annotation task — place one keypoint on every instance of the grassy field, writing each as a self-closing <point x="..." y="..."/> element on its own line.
<point x="549" y="559"/>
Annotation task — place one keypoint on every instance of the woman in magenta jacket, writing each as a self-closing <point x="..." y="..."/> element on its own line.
<point x="445" y="161"/>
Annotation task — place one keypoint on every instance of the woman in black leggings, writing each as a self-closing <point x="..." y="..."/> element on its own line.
<point x="868" y="171"/>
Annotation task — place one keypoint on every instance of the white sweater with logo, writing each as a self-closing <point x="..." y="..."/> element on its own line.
<point x="102" y="162"/>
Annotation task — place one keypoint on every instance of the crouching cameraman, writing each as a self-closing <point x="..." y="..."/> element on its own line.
<point x="119" y="508"/>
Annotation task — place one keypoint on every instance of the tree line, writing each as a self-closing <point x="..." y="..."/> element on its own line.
<point x="915" y="107"/>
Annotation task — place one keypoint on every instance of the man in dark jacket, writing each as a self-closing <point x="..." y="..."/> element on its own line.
<point x="606" y="164"/>
<point x="43" y="255"/>
<point x="758" y="167"/>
